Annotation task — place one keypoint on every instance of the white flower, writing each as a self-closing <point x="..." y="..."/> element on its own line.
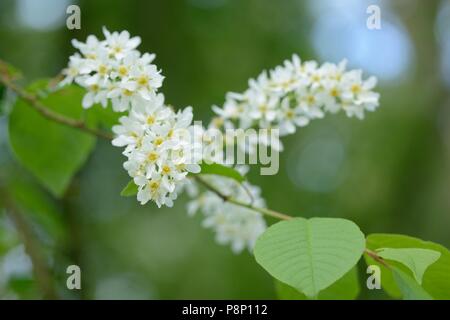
<point x="119" y="44"/>
<point x="357" y="94"/>
<point x="147" y="79"/>
<point x="95" y="93"/>
<point x="289" y="118"/>
<point x="77" y="66"/>
<point x="123" y="95"/>
<point x="90" y="48"/>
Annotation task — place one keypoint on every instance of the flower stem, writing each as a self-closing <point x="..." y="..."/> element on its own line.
<point x="265" y="211"/>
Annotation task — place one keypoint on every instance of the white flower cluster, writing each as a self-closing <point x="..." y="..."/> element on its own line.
<point x="112" y="69"/>
<point x="293" y="94"/>
<point x="158" y="141"/>
<point x="234" y="225"/>
<point x="160" y="149"/>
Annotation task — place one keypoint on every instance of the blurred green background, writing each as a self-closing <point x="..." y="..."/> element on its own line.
<point x="388" y="173"/>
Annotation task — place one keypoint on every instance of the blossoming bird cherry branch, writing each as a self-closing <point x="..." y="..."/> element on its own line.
<point x="53" y="116"/>
<point x="33" y="100"/>
<point x="153" y="138"/>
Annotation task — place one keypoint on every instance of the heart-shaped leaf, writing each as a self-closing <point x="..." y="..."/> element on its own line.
<point x="310" y="255"/>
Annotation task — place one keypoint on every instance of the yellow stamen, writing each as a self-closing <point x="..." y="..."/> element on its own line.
<point x="356" y="88"/>
<point x="102" y="69"/>
<point x="263" y="108"/>
<point x="166" y="169"/>
<point x="127" y="92"/>
<point x="143" y="80"/>
<point x="334" y="92"/>
<point x="151" y="120"/>
<point x="154" y="185"/>
<point x="290" y="114"/>
<point x="152" y="156"/>
<point x="94" y="88"/>
<point x="158" y="141"/>
<point x="123" y="71"/>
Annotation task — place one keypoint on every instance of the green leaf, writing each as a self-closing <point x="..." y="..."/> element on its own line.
<point x="417" y="260"/>
<point x="310" y="255"/>
<point x="410" y="289"/>
<point x="221" y="170"/>
<point x="346" y="288"/>
<point x="435" y="280"/>
<point x="51" y="151"/>
<point x="131" y="189"/>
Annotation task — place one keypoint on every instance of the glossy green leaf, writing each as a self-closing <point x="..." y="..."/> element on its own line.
<point x="435" y="280"/>
<point x="51" y="151"/>
<point x="310" y="254"/>
<point x="417" y="260"/>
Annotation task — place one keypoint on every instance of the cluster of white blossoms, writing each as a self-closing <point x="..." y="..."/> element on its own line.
<point x="160" y="149"/>
<point x="293" y="94"/>
<point x="113" y="70"/>
<point x="158" y="142"/>
<point x="233" y="225"/>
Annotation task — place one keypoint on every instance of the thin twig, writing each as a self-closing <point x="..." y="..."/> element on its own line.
<point x="249" y="193"/>
<point x="33" y="101"/>
<point x="376" y="257"/>
<point x="229" y="199"/>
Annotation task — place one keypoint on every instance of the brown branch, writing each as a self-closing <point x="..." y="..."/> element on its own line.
<point x="33" y="102"/>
